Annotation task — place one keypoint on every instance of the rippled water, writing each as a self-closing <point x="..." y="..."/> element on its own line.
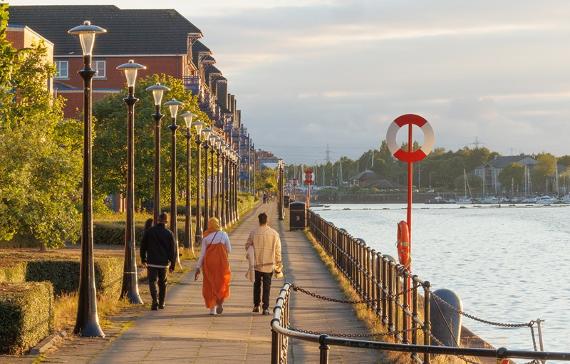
<point x="507" y="264"/>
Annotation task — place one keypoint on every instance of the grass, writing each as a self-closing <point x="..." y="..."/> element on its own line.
<point x="369" y="318"/>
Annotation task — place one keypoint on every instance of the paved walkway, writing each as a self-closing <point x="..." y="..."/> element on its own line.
<point x="185" y="333"/>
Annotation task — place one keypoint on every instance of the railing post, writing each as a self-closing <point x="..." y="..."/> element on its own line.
<point x="414" y="313"/>
<point x="390" y="272"/>
<point x="385" y="297"/>
<point x="406" y="307"/>
<point x="427" y="319"/>
<point x="275" y="347"/>
<point x="378" y="295"/>
<point x="324" y="350"/>
<point x="397" y="291"/>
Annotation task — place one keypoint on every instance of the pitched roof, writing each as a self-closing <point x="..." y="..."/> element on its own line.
<point x="501" y="162"/>
<point x="130" y="31"/>
<point x="198" y="47"/>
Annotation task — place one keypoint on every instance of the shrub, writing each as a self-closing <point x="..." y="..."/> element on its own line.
<point x="27" y="315"/>
<point x="64" y="274"/>
<point x="15" y="272"/>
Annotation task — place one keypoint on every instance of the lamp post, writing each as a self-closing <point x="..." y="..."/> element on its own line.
<point x="236" y="182"/>
<point x="213" y="143"/>
<point x="223" y="184"/>
<point x="130" y="288"/>
<point x="206" y="134"/>
<point x="187" y="116"/>
<point x="219" y="179"/>
<point x="173" y="105"/>
<point x="87" y="323"/>
<point x="157" y="93"/>
<point x="280" y="190"/>
<point x="198" y="125"/>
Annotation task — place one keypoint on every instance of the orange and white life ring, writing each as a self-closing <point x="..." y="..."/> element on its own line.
<point x="403" y="244"/>
<point x="403" y="155"/>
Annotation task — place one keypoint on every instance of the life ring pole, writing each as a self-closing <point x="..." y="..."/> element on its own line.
<point x="409" y="214"/>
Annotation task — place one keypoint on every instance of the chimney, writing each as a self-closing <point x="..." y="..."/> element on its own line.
<point x="239" y="117"/>
<point x="222" y="92"/>
<point x="231" y="103"/>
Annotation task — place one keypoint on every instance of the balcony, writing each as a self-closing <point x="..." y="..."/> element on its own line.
<point x="192" y="83"/>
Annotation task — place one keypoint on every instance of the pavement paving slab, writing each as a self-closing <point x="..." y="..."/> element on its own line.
<point x="184" y="332"/>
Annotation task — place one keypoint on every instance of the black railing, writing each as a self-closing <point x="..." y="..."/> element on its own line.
<point x="392" y="293"/>
<point x="281" y="332"/>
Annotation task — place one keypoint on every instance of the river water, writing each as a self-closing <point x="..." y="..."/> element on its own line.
<point x="508" y="264"/>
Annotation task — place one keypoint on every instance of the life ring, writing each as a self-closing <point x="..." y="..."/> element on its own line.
<point x="403" y="155"/>
<point x="403" y="244"/>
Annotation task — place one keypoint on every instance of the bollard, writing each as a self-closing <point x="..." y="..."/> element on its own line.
<point x="446" y="322"/>
<point x="415" y="307"/>
<point x="324" y="350"/>
<point x="378" y="295"/>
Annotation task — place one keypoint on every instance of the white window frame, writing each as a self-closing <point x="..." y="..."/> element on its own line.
<point x="59" y="75"/>
<point x="97" y="69"/>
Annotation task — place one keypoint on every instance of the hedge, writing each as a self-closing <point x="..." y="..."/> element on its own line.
<point x="27" y="315"/>
<point x="63" y="272"/>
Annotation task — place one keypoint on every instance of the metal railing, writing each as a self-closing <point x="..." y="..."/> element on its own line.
<point x="392" y="293"/>
<point x="281" y="332"/>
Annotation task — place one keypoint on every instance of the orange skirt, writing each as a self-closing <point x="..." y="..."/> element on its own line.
<point x="217" y="275"/>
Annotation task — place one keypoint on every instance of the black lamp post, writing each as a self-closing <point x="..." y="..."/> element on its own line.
<point x="235" y="182"/>
<point x="173" y="105"/>
<point x="213" y="144"/>
<point x="130" y="288"/>
<point x="187" y="116"/>
<point x="223" y="184"/>
<point x="198" y="125"/>
<point x="87" y="323"/>
<point x="157" y="93"/>
<point x="280" y="190"/>
<point x="206" y="135"/>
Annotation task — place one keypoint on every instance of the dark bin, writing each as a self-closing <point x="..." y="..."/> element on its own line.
<point x="297" y="215"/>
<point x="286" y="201"/>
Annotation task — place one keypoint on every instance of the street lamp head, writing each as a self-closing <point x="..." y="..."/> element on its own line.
<point x="131" y="69"/>
<point x="86" y="33"/>
<point x="187" y="116"/>
<point x="157" y="92"/>
<point x="173" y="107"/>
<point x="198" y="125"/>
<point x="206" y="133"/>
<point x="213" y="140"/>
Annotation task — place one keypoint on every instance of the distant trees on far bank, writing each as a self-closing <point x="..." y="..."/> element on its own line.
<point x="442" y="170"/>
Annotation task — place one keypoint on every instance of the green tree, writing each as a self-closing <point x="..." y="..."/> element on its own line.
<point x="266" y="180"/>
<point x="40" y="157"/>
<point x="512" y="174"/>
<point x="545" y="168"/>
<point x="110" y="147"/>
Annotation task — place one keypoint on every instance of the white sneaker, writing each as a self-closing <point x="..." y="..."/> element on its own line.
<point x="213" y="311"/>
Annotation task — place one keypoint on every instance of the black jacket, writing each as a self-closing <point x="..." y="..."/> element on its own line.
<point x="157" y="246"/>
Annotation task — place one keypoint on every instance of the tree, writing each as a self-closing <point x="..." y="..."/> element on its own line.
<point x="110" y="147"/>
<point x="512" y="174"/>
<point x="40" y="151"/>
<point x="546" y="167"/>
<point x="266" y="180"/>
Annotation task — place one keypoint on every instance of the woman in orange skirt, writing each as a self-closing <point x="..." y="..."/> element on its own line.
<point x="215" y="266"/>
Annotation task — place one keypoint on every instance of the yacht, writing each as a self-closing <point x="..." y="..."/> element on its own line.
<point x="546" y="200"/>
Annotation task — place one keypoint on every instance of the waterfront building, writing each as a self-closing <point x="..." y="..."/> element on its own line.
<point x="21" y="36"/>
<point x="162" y="39"/>
<point x="490" y="171"/>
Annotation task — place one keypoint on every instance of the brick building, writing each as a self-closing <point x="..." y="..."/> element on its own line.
<point x="161" y="39"/>
<point x="24" y="37"/>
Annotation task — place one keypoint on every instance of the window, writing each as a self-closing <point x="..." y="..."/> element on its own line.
<point x="62" y="69"/>
<point x="99" y="67"/>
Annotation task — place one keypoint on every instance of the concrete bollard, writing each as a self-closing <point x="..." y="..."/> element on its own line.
<point x="446" y="322"/>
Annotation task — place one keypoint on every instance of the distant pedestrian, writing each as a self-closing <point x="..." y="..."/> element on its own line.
<point x="158" y="254"/>
<point x="264" y="197"/>
<point x="215" y="265"/>
<point x="267" y="259"/>
<point x="148" y="224"/>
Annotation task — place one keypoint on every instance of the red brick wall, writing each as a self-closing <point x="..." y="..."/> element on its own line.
<point x="15" y="37"/>
<point x="171" y="65"/>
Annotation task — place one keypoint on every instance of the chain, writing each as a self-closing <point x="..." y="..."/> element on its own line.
<point x="338" y="334"/>
<point x="353" y="302"/>
<point x="493" y="323"/>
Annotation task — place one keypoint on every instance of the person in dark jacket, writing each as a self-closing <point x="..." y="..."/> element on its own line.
<point x="157" y="254"/>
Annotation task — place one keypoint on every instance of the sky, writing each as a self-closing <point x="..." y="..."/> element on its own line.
<point x="312" y="73"/>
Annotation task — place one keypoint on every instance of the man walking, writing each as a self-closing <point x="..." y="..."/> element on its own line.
<point x="157" y="251"/>
<point x="267" y="252"/>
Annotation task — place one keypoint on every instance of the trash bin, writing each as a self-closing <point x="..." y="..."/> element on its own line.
<point x="286" y="201"/>
<point x="297" y="215"/>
